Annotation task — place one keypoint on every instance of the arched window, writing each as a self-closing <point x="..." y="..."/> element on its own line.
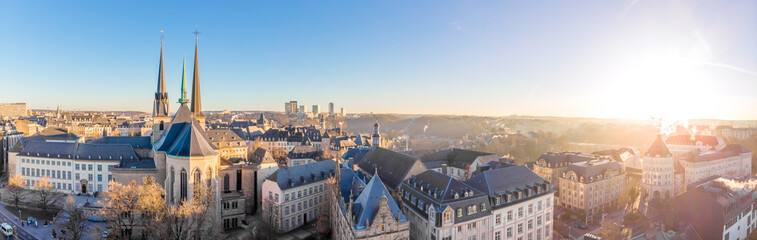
<point x="197" y="176"/>
<point x="171" y="182"/>
<point x="226" y="183"/>
<point x="183" y="179"/>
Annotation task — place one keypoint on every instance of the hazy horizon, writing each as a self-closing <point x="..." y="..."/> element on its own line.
<point x="598" y="59"/>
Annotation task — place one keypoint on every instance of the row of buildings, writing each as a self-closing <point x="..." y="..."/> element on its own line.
<point x="376" y="193"/>
<point x="291" y="107"/>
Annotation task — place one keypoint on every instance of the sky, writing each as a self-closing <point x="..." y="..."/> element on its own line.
<point x="613" y="59"/>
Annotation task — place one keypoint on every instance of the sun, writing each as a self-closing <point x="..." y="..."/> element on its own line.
<point x="664" y="86"/>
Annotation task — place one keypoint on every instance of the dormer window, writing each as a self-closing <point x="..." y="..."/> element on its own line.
<point x="459" y="212"/>
<point x="457" y="195"/>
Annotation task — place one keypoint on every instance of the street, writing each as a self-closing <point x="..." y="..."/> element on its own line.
<point x="18" y="230"/>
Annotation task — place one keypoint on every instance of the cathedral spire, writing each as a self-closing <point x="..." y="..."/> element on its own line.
<point x="196" y="102"/>
<point x="161" y="97"/>
<point x="183" y="99"/>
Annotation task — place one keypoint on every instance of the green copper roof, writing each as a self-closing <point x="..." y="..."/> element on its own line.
<point x="183" y="98"/>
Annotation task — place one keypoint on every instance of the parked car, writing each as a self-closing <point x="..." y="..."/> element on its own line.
<point x="6" y="229"/>
<point x="31" y="220"/>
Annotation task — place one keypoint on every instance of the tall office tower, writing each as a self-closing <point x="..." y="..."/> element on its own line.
<point x="341" y="112"/>
<point x="331" y="109"/>
<point x="316" y="109"/>
<point x="302" y="108"/>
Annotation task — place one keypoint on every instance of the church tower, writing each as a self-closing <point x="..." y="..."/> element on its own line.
<point x="376" y="136"/>
<point x="160" y="116"/>
<point x="196" y="101"/>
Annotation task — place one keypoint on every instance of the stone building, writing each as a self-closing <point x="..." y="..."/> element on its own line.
<point x="658" y="171"/>
<point x="230" y="144"/>
<point x="364" y="211"/>
<point x="12" y="110"/>
<point x="592" y="186"/>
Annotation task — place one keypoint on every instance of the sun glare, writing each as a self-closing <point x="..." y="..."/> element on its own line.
<point x="657" y="85"/>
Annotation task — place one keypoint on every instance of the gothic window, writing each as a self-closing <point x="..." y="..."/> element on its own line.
<point x="226" y="183"/>
<point x="183" y="179"/>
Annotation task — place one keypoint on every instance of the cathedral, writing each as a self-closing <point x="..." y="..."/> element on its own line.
<point x="183" y="156"/>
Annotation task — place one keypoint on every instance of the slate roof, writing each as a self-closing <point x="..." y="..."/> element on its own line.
<point x="716" y="202"/>
<point x="89" y="151"/>
<point x="729" y="150"/>
<point x="685" y="139"/>
<point x="261" y="155"/>
<point x="565" y="157"/>
<point x="618" y="154"/>
<point x="392" y="166"/>
<point x="185" y="137"/>
<point x="147" y="163"/>
<point x="503" y="180"/>
<point x="225" y="138"/>
<point x="594" y="168"/>
<point x="135" y="142"/>
<point x="367" y="203"/>
<point x="658" y="148"/>
<point x="432" y="188"/>
<point x="302" y="175"/>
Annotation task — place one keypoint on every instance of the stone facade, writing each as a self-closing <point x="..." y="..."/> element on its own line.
<point x="12" y="110"/>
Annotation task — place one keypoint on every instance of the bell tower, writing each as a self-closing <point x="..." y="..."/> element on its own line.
<point x="160" y="116"/>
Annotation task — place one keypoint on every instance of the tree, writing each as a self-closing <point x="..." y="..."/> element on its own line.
<point x="323" y="225"/>
<point x="611" y="230"/>
<point x="76" y="223"/>
<point x="16" y="189"/>
<point x="188" y="219"/>
<point x="47" y="196"/>
<point x="119" y="207"/>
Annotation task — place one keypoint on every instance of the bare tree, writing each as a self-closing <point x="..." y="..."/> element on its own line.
<point x="16" y="189"/>
<point x="119" y="207"/>
<point x="611" y="230"/>
<point x="188" y="219"/>
<point x="47" y="196"/>
<point x="76" y="223"/>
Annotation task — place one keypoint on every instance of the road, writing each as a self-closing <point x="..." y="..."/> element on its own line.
<point x="22" y="233"/>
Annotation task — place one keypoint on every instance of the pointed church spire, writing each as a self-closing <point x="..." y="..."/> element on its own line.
<point x="196" y="102"/>
<point x="161" y="97"/>
<point x="183" y="99"/>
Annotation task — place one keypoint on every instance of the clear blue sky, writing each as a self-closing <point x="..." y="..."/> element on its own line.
<point x="637" y="58"/>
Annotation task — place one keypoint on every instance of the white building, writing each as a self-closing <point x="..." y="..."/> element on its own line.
<point x="658" y="173"/>
<point x="294" y="196"/>
<point x="521" y="203"/>
<point x="71" y="167"/>
<point x="719" y="209"/>
<point x="441" y="207"/>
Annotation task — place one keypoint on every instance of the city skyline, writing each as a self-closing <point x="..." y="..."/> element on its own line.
<point x="623" y="59"/>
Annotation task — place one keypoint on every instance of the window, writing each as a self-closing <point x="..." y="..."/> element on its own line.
<point x="509" y="215"/>
<point x="497" y="219"/>
<point x="538" y="221"/>
<point x="530" y="224"/>
<point x="90" y="177"/>
<point x="459" y="212"/>
<point x="89" y="167"/>
<point x="77" y="176"/>
<point x="99" y="177"/>
<point x="99" y="167"/>
<point x="498" y="235"/>
<point x="286" y="210"/>
<point x="509" y="232"/>
<point x="530" y="209"/>
<point x="520" y="228"/>
<point x="447" y="216"/>
<point x="520" y="212"/>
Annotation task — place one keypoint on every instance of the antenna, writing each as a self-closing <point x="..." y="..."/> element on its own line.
<point x="161" y="37"/>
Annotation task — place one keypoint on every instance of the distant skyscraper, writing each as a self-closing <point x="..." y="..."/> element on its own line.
<point x="316" y="109"/>
<point x="302" y="108"/>
<point x="331" y="109"/>
<point x="341" y="111"/>
<point x="290" y="107"/>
